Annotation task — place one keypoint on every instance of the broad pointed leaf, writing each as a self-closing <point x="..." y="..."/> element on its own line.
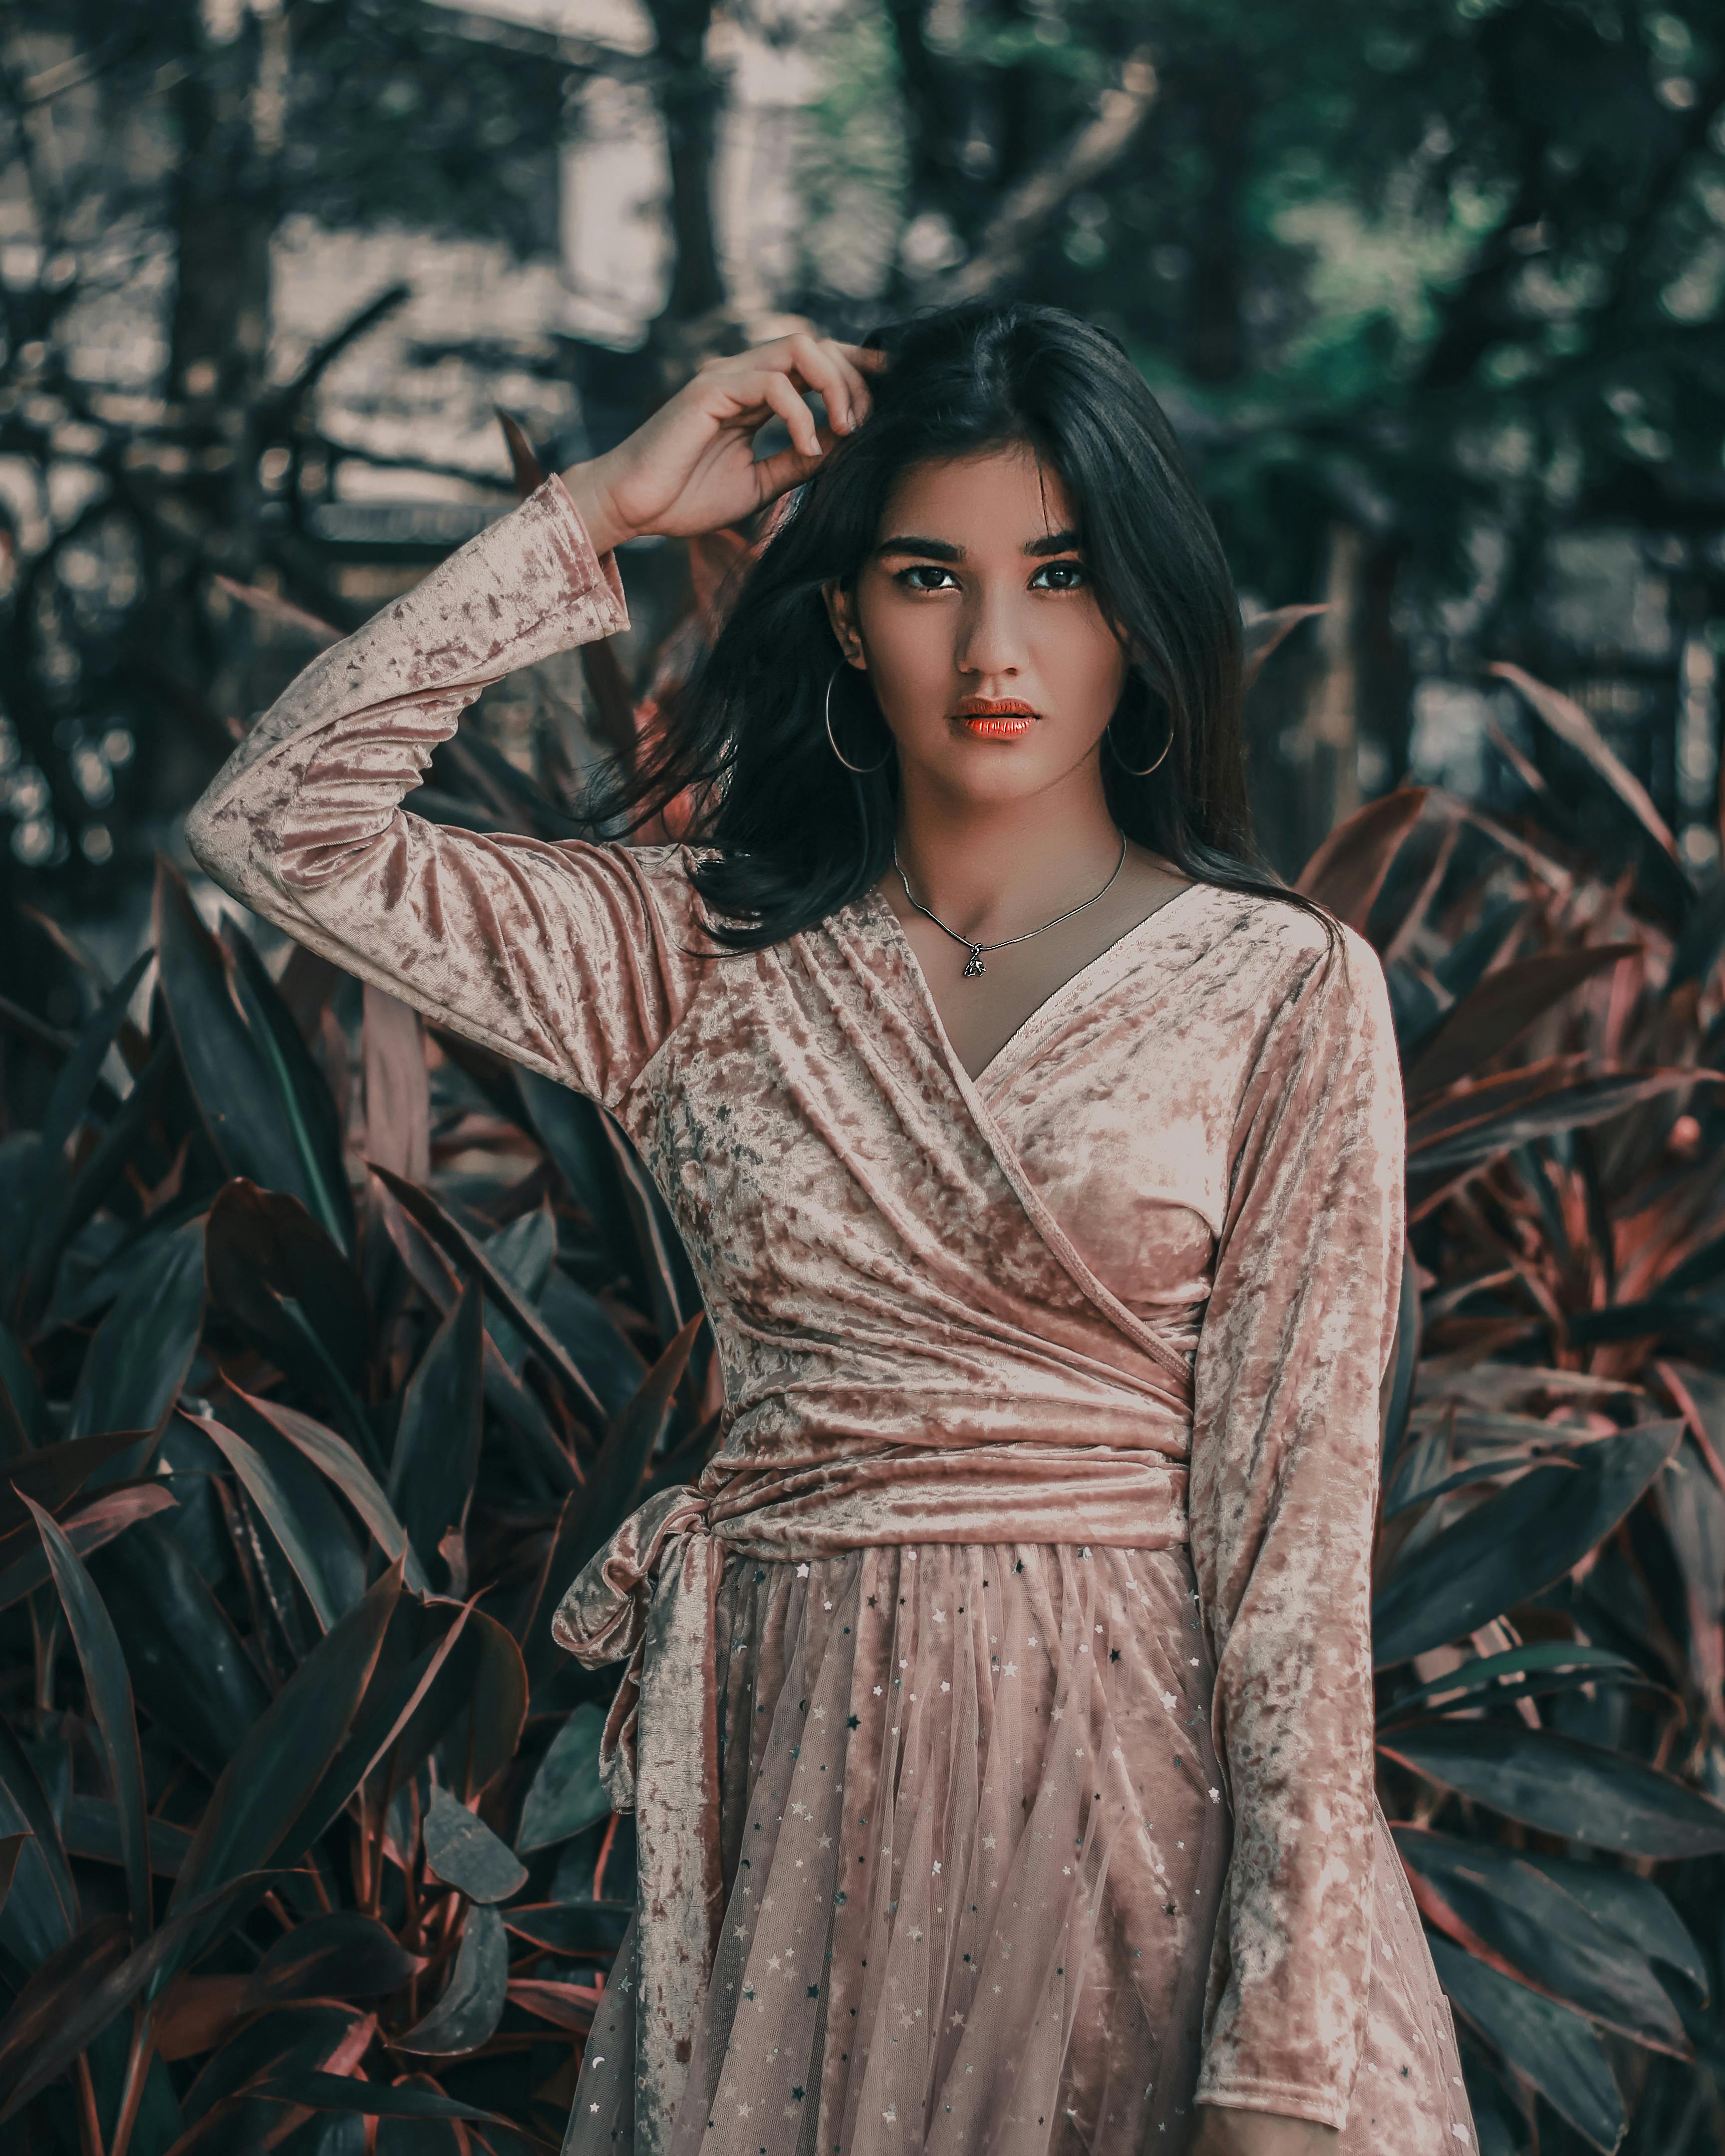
<point x="232" y="1080"/>
<point x="1570" y="723"/>
<point x="1569" y="1107"/>
<point x="108" y="1686"/>
<point x="266" y="1493"/>
<point x="1578" y="1792"/>
<point x="283" y="1757"/>
<point x="82" y="2011"/>
<point x="134" y="1368"/>
<point x="194" y="1680"/>
<point x="567" y="1794"/>
<point x="337" y="1459"/>
<point x="261" y="1248"/>
<point x="463" y="1852"/>
<point x="1502" y="1009"/>
<point x="344" y="1955"/>
<point x="575" y="1929"/>
<point x="1552" y="2048"/>
<point x="41" y="1912"/>
<point x="1531" y="1927"/>
<point x="1520" y="1667"/>
<point x="376" y="2099"/>
<point x="1347" y="871"/>
<point x="1632" y="1906"/>
<point x="302" y="1089"/>
<point x="470" y="2008"/>
<point x="437" y="1441"/>
<point x="1515" y="1543"/>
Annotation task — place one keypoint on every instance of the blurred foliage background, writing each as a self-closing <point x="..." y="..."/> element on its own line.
<point x="328" y="1346"/>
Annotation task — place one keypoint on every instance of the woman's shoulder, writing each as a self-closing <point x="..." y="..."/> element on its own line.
<point x="1282" y="934"/>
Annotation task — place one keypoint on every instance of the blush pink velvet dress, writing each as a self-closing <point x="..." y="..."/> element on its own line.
<point x="998" y="1710"/>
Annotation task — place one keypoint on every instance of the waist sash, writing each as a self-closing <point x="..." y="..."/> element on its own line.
<point x="651" y="1593"/>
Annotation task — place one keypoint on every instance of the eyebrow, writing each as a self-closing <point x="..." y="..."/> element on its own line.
<point x="943" y="550"/>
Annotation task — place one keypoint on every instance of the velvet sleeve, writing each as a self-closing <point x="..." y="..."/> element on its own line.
<point x="567" y="958"/>
<point x="1283" y="1490"/>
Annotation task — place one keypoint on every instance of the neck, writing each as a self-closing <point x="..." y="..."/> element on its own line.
<point x="995" y="869"/>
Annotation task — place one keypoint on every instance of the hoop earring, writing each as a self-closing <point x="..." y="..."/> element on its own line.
<point x="861" y="770"/>
<point x="1108" y="737"/>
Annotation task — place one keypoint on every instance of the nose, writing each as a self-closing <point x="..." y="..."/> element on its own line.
<point x="989" y="645"/>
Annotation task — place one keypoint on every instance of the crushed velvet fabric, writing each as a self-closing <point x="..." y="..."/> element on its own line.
<point x="998" y="1710"/>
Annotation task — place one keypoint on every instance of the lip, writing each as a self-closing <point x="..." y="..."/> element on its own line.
<point x="986" y="718"/>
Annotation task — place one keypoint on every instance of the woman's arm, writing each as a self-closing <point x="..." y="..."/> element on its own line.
<point x="553" y="954"/>
<point x="572" y="958"/>
<point x="1283" y="1491"/>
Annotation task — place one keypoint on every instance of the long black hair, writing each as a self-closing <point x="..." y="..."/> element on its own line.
<point x="794" y="835"/>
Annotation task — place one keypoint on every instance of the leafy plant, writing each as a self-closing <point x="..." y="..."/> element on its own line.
<point x="332" y="1346"/>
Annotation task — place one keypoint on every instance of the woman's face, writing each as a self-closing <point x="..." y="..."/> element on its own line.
<point x="976" y="624"/>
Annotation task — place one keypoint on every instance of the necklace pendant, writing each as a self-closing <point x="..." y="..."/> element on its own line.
<point x="974" y="966"/>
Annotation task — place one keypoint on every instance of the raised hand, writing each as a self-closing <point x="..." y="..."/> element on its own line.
<point x="692" y="468"/>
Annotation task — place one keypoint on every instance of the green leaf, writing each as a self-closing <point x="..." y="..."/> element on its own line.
<point x="1632" y="1906"/>
<point x="134" y="1368"/>
<point x="463" y="1852"/>
<point x="233" y="1082"/>
<point x="609" y="1360"/>
<point x="34" y="2016"/>
<point x="1561" y="1786"/>
<point x="522" y="1252"/>
<point x="191" y="1676"/>
<point x="1493" y="1673"/>
<point x="1554" y="2049"/>
<point x="41" y="1912"/>
<point x="437" y="1441"/>
<point x="1347" y="871"/>
<point x="286" y="2037"/>
<point x="467" y="2014"/>
<point x="375" y="2099"/>
<point x="266" y="1493"/>
<point x="90" y="1828"/>
<point x="459" y="1248"/>
<point x="342" y="1465"/>
<point x="344" y="1955"/>
<point x="22" y="1412"/>
<point x="1515" y="1543"/>
<point x="614" y="1483"/>
<point x="490" y="1682"/>
<point x="81" y="2011"/>
<point x="51" y="1478"/>
<point x="328" y="1525"/>
<point x="263" y="1248"/>
<point x="567" y="1794"/>
<point x="576" y="1928"/>
<point x="75" y="1200"/>
<point x="1502" y="1009"/>
<point x="66" y="1105"/>
<point x="300" y="1087"/>
<point x="282" y="1758"/>
<point x="1562" y="1107"/>
<point x="108" y="1686"/>
<point x="1475" y="1890"/>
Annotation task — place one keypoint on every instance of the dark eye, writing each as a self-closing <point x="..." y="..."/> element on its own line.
<point x="1073" y="570"/>
<point x="921" y="569"/>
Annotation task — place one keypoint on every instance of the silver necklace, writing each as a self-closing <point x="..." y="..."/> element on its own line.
<point x="973" y="965"/>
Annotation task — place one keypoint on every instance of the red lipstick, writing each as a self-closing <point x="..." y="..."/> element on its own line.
<point x="995" y="718"/>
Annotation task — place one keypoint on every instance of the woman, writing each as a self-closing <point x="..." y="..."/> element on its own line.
<point x="999" y="1718"/>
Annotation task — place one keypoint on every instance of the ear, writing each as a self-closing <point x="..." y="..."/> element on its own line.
<point x="841" y="612"/>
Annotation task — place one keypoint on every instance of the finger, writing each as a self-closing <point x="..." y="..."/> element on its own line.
<point x="857" y="402"/>
<point x="823" y="364"/>
<point x="782" y="394"/>
<point x="788" y="467"/>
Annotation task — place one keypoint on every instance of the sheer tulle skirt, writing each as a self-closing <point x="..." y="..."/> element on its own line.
<point x="975" y="1842"/>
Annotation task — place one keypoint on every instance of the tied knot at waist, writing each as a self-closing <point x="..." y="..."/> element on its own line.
<point x="650" y="1595"/>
